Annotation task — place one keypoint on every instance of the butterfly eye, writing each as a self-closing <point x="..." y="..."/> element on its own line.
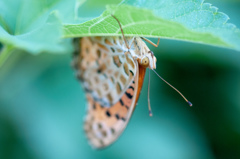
<point x="145" y="62"/>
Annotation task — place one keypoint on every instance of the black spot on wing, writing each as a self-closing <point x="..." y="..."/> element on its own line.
<point x="121" y="102"/>
<point x="117" y="116"/>
<point x="104" y="133"/>
<point x="112" y="131"/>
<point x="112" y="49"/>
<point x="108" y="113"/>
<point x="131" y="87"/>
<point x="128" y="95"/>
<point x="99" y="126"/>
<point x="131" y="72"/>
<point x="123" y="119"/>
<point x="99" y="71"/>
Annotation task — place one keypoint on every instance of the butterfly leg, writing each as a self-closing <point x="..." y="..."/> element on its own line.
<point x="150" y="42"/>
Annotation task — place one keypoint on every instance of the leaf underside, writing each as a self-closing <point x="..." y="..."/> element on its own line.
<point x="40" y="26"/>
<point x="143" y="22"/>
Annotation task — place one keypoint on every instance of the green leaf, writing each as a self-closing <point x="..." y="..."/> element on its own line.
<point x="45" y="38"/>
<point x="197" y="16"/>
<point x="34" y="26"/>
<point x="189" y="20"/>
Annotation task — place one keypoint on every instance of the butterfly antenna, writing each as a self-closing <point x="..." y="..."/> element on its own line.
<point x="121" y="31"/>
<point x="149" y="105"/>
<point x="190" y="104"/>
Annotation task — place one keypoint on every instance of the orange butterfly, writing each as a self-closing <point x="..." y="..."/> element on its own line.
<point x="112" y="70"/>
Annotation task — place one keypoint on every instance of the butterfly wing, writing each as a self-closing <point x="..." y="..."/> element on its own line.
<point x="104" y="124"/>
<point x="104" y="76"/>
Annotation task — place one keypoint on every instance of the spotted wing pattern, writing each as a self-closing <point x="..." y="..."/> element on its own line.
<point x="105" y="77"/>
<point x="101" y="76"/>
<point x="104" y="125"/>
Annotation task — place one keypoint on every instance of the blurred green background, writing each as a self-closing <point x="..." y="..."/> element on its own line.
<point x="42" y="106"/>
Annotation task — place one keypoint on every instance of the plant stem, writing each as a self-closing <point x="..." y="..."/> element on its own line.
<point x="4" y="54"/>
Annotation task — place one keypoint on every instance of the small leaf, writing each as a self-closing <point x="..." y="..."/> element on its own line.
<point x="44" y="38"/>
<point x="161" y="21"/>
<point x="34" y="26"/>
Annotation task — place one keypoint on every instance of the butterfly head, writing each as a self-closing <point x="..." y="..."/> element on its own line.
<point x="148" y="60"/>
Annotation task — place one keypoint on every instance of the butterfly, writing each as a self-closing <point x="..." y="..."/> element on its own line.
<point x="111" y="71"/>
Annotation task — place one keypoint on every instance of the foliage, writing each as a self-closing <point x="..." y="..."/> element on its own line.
<point x="39" y="26"/>
<point x="42" y="105"/>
